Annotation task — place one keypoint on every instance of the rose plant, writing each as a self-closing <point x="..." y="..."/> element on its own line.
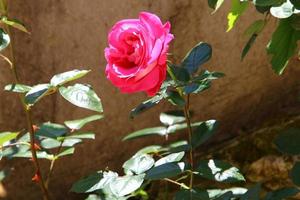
<point x="283" y="44"/>
<point x="50" y="141"/>
<point x="136" y="61"/>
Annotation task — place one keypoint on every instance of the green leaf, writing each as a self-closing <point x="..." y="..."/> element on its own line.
<point x="175" y="98"/>
<point x="27" y="154"/>
<point x="62" y="78"/>
<point x="219" y="171"/>
<point x="296" y="3"/>
<point x="283" y="45"/>
<point x="281" y="194"/>
<point x="146" y="105"/>
<point x="180" y="73"/>
<point x="4" y="173"/>
<point x="226" y="194"/>
<point x="51" y="130"/>
<point x="50" y="143"/>
<point x="19" y="88"/>
<point x="138" y="164"/>
<point x="197" y="87"/>
<point x="125" y="185"/>
<point x="173" y="157"/>
<point x="87" y="135"/>
<point x="160" y="130"/>
<point x="4" y="39"/>
<point x="171" y="117"/>
<point x="167" y="170"/>
<point x="82" y="96"/>
<point x="14" y="23"/>
<point x="203" y="132"/>
<point x="96" y="181"/>
<point x="79" y="123"/>
<point x="288" y="141"/>
<point x="295" y="174"/>
<point x="7" y="136"/>
<point x="146" y="132"/>
<point x="178" y="146"/>
<point x="66" y="152"/>
<point x="255" y="28"/>
<point x="149" y="150"/>
<point x="215" y="4"/>
<point x="268" y="2"/>
<point x="248" y="46"/>
<point x="197" y="56"/>
<point x="193" y="194"/>
<point x="283" y="11"/>
<point x="237" y="9"/>
<point x="37" y="92"/>
<point x="253" y="193"/>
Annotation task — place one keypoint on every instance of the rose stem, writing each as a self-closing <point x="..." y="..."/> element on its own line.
<point x="186" y="111"/>
<point x="29" y="124"/>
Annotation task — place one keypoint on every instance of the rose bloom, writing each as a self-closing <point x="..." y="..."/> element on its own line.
<point x="137" y="54"/>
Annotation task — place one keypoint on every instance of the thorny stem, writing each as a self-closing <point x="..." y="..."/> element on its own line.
<point x="29" y="124"/>
<point x="188" y="122"/>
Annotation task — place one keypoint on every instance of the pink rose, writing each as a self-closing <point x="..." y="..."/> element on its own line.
<point x="137" y="54"/>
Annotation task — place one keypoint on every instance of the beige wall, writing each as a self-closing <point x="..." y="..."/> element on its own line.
<point x="67" y="34"/>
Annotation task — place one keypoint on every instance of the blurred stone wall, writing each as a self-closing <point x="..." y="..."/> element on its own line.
<point x="67" y="34"/>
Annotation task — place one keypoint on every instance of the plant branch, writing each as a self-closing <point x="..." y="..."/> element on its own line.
<point x="53" y="162"/>
<point x="190" y="133"/>
<point x="27" y="111"/>
<point x="177" y="183"/>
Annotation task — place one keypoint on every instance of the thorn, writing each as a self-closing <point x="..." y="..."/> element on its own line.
<point x="35" y="128"/>
<point x="36" y="146"/>
<point x="36" y="178"/>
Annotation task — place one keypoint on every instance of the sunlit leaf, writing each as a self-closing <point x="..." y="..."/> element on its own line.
<point x="219" y="171"/>
<point x="37" y="92"/>
<point x="171" y="117"/>
<point x="79" y="123"/>
<point x="226" y="194"/>
<point x="4" y="39"/>
<point x="149" y="150"/>
<point x="138" y="164"/>
<point x="62" y="78"/>
<point x="125" y="185"/>
<point x="96" y="181"/>
<point x="66" y="152"/>
<point x="19" y="88"/>
<point x="7" y="136"/>
<point x="215" y="4"/>
<point x="14" y="23"/>
<point x="82" y="96"/>
<point x="173" y="157"/>
<point x="237" y="9"/>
